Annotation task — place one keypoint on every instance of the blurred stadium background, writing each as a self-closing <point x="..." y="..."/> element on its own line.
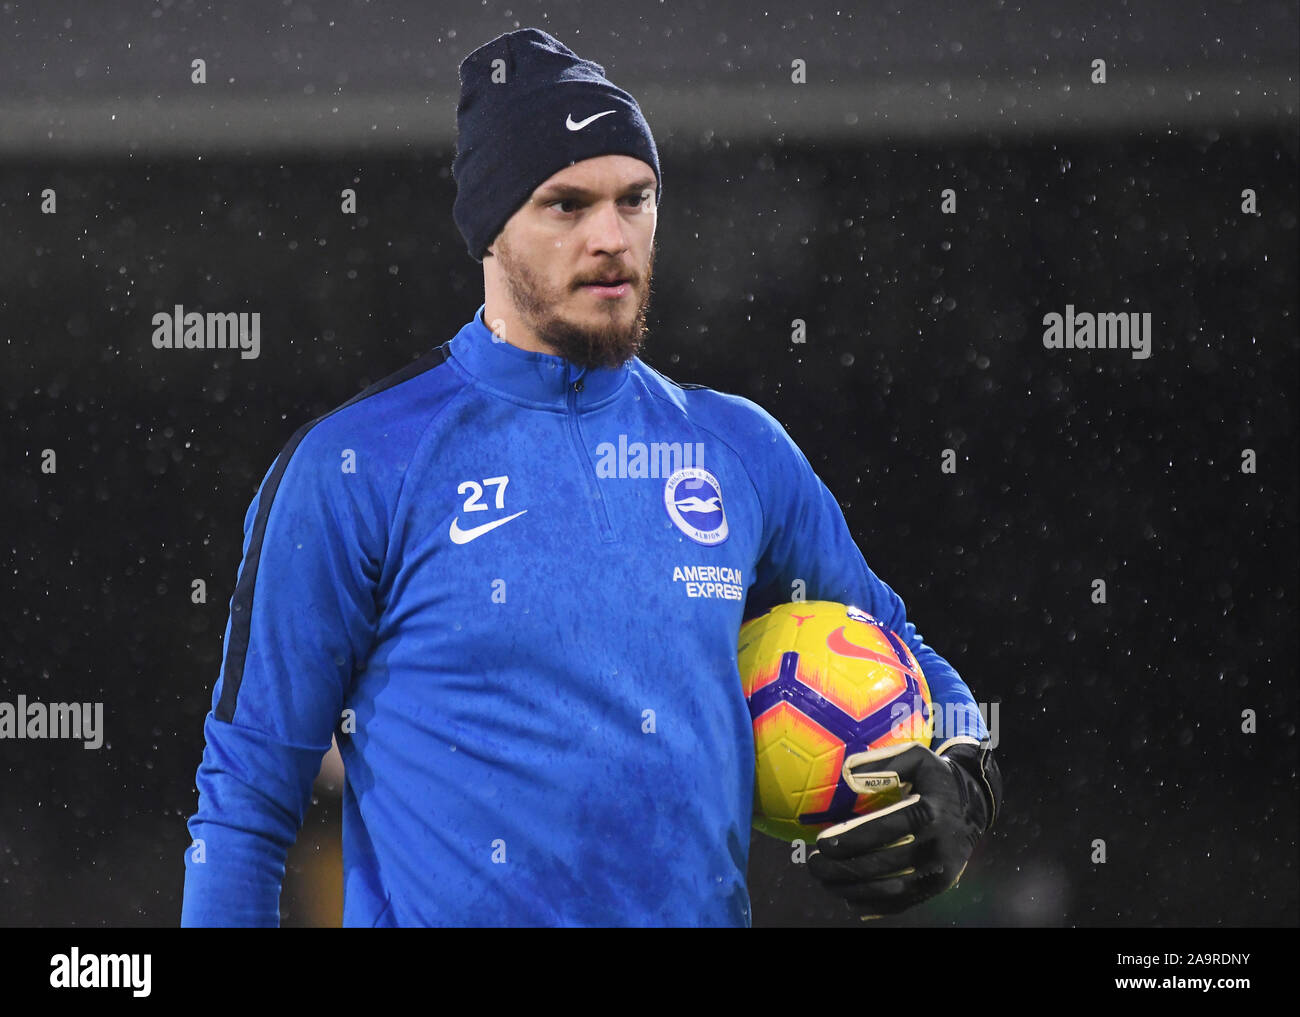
<point x="1119" y="722"/>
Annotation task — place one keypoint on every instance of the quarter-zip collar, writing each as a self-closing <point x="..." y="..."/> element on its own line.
<point x="535" y="379"/>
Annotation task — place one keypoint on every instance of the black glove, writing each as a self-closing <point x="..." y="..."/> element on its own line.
<point x="890" y="860"/>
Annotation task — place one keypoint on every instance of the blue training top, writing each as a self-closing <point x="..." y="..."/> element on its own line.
<point x="511" y="587"/>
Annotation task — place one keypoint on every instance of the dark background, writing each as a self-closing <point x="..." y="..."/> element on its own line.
<point x="1119" y="722"/>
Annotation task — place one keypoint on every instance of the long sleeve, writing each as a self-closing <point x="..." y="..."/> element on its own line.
<point x="301" y="617"/>
<point x="805" y="537"/>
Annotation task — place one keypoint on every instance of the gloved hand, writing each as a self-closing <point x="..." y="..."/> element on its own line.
<point x="890" y="860"/>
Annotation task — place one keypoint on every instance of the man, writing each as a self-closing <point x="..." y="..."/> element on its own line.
<point x="461" y="577"/>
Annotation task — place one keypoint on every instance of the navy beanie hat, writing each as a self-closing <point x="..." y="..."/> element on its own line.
<point x="520" y="121"/>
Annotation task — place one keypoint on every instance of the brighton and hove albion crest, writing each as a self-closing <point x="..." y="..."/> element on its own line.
<point x="693" y="498"/>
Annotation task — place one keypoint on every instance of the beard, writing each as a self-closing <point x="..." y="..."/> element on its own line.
<point x="611" y="342"/>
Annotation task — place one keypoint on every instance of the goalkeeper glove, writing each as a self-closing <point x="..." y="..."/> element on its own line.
<point x="892" y="859"/>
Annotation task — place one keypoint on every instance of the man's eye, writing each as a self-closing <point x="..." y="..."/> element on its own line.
<point x="633" y="200"/>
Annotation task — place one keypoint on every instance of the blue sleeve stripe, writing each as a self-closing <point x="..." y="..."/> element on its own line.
<point x="241" y="605"/>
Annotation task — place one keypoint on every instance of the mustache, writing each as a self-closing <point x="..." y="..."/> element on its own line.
<point x="628" y="277"/>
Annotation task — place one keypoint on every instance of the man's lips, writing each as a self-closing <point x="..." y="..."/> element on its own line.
<point x="604" y="289"/>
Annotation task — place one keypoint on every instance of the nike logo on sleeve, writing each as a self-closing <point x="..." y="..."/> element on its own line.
<point x="573" y="125"/>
